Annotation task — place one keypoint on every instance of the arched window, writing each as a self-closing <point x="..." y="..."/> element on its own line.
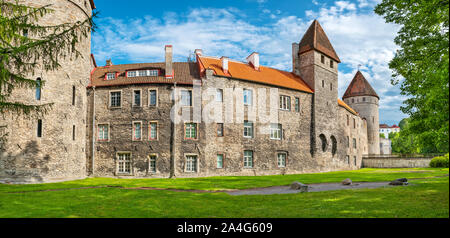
<point x="38" y="89"/>
<point x="333" y="145"/>
<point x="323" y="139"/>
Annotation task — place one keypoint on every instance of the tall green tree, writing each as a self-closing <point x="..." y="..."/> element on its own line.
<point x="420" y="67"/>
<point x="25" y="45"/>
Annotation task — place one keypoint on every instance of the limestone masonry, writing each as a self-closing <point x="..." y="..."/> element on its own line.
<point x="206" y="117"/>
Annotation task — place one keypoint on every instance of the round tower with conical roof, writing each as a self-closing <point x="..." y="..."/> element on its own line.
<point x="51" y="147"/>
<point x="363" y="99"/>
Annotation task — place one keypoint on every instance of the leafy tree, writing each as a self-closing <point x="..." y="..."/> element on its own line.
<point x="420" y="67"/>
<point x="382" y="135"/>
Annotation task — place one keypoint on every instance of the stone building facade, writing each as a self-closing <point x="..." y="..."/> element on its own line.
<point x="51" y="148"/>
<point x="211" y="117"/>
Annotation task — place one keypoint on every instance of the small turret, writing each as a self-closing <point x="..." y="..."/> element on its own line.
<point x="362" y="98"/>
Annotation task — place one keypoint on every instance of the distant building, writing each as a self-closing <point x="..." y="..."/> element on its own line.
<point x="385" y="129"/>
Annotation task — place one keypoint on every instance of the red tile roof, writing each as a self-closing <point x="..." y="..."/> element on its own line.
<point x="359" y="87"/>
<point x="185" y="73"/>
<point x="265" y="75"/>
<point x="316" y="39"/>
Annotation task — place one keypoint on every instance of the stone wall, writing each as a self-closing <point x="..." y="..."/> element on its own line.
<point x="395" y="162"/>
<point x="367" y="107"/>
<point x="55" y="156"/>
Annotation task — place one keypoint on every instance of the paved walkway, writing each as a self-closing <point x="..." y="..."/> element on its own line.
<point x="311" y="188"/>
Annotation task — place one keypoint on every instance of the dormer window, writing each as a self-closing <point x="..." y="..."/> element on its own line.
<point x="143" y="73"/>
<point x="110" y="76"/>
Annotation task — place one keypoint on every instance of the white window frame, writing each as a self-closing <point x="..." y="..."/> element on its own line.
<point x="132" y="74"/>
<point x="283" y="162"/>
<point x="150" y="130"/>
<point x="219" y="95"/>
<point x="108" y="76"/>
<point x="99" y="137"/>
<point x="188" y="168"/>
<point x="152" y="169"/>
<point x="285" y="103"/>
<point x="248" y="159"/>
<point x="276" y="129"/>
<point x="134" y="131"/>
<point x="221" y="161"/>
<point x="149" y="97"/>
<point x="248" y="128"/>
<point x="110" y="98"/>
<point x="134" y="98"/>
<point x="119" y="161"/>
<point x="191" y="98"/>
<point x="247" y="94"/>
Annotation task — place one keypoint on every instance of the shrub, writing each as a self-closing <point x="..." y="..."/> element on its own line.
<point x="439" y="162"/>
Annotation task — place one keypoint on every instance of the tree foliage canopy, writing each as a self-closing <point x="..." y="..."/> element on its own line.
<point x="26" y="46"/>
<point x="420" y="67"/>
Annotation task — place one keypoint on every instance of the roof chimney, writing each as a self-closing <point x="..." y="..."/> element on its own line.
<point x="169" y="64"/>
<point x="109" y="62"/>
<point x="198" y="52"/>
<point x="224" y="61"/>
<point x="254" y="60"/>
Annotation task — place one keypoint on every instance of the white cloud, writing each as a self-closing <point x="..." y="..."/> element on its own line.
<point x="358" y="37"/>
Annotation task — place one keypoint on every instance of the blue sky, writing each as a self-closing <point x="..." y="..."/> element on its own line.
<point x="136" y="31"/>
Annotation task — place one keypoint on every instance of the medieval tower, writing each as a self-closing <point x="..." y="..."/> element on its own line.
<point x="52" y="148"/>
<point x="316" y="62"/>
<point x="363" y="98"/>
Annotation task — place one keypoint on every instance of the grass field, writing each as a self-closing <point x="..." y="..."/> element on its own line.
<point x="426" y="197"/>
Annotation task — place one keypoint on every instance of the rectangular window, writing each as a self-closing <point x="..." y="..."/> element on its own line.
<point x="124" y="163"/>
<point x="137" y="98"/>
<point x="219" y="129"/>
<point x="115" y="99"/>
<point x="152" y="97"/>
<point x="331" y="64"/>
<point x="137" y="130"/>
<point x="248" y="97"/>
<point x="248" y="159"/>
<point x="153" y="133"/>
<point x="73" y="132"/>
<point x="153" y="73"/>
<point x="186" y="98"/>
<point x="347" y="158"/>
<point x="190" y="130"/>
<point x="348" y="120"/>
<point x="281" y="160"/>
<point x="131" y="74"/>
<point x="285" y="103"/>
<point x="322" y="59"/>
<point x="142" y="73"/>
<point x="276" y="131"/>
<point x="297" y="104"/>
<point x="323" y="83"/>
<point x="220" y="161"/>
<point x="39" y="128"/>
<point x="331" y="86"/>
<point x="248" y="129"/>
<point x="354" y="123"/>
<point x="354" y="160"/>
<point x="348" y="142"/>
<point x="354" y="143"/>
<point x="191" y="163"/>
<point x="110" y="76"/>
<point x="219" y="95"/>
<point x="103" y="132"/>
<point x="73" y="95"/>
<point x="152" y="164"/>
<point x="38" y="89"/>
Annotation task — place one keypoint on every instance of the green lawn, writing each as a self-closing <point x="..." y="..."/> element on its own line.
<point x="427" y="197"/>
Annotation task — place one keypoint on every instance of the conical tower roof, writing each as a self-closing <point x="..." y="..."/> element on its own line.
<point x="359" y="87"/>
<point x="316" y="39"/>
